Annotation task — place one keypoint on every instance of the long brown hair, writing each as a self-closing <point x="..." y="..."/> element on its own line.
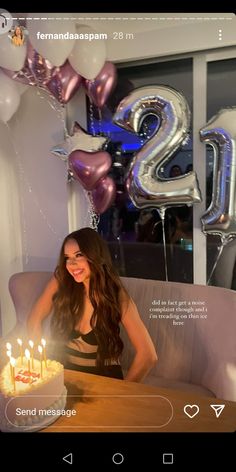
<point x="105" y="292"/>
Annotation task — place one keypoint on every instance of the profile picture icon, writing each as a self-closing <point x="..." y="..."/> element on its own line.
<point x="18" y="36"/>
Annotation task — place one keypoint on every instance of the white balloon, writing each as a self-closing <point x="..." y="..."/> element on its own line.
<point x="11" y="57"/>
<point x="21" y="87"/>
<point x="9" y="97"/>
<point x="55" y="50"/>
<point x="88" y="56"/>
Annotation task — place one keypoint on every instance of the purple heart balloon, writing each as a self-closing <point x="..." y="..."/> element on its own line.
<point x="104" y="194"/>
<point x="89" y="167"/>
<point x="64" y="83"/>
<point x="101" y="87"/>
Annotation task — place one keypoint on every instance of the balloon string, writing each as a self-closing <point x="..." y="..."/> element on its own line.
<point x="53" y="103"/>
<point x="100" y="121"/>
<point x="30" y="77"/>
<point x="25" y="245"/>
<point x="216" y="261"/>
<point x="94" y="217"/>
<point x="122" y="257"/>
<point x="162" y="212"/>
<point x="24" y="180"/>
<point x="64" y="115"/>
<point x="58" y="108"/>
<point x="91" y="116"/>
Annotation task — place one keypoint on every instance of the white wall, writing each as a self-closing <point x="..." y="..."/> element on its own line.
<point x="10" y="236"/>
<point x="35" y="128"/>
<point x="34" y="191"/>
<point x="161" y="34"/>
<point x="169" y="41"/>
<point x="39" y="207"/>
<point x="78" y="205"/>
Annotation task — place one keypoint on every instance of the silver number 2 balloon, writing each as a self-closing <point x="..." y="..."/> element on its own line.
<point x="220" y="217"/>
<point x="145" y="185"/>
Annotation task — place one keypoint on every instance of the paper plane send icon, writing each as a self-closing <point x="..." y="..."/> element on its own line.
<point x="218" y="409"/>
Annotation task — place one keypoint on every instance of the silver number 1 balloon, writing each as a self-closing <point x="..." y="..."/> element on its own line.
<point x="145" y="185"/>
<point x="220" y="217"/>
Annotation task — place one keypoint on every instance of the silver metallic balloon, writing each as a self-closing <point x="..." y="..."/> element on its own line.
<point x="145" y="185"/>
<point x="36" y="70"/>
<point x="220" y="216"/>
<point x="79" y="139"/>
<point x="40" y="68"/>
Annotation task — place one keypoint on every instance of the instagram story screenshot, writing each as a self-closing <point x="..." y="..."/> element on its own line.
<point x="118" y="239"/>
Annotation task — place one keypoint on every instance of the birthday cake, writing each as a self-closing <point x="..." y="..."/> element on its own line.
<point x="31" y="396"/>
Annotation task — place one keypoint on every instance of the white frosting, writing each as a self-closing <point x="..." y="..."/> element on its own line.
<point x="34" y="423"/>
<point x="40" y="392"/>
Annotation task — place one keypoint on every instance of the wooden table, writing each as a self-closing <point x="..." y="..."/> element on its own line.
<point x="105" y="404"/>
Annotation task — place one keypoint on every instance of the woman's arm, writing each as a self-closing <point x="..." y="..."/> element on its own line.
<point x="41" y="309"/>
<point x="146" y="356"/>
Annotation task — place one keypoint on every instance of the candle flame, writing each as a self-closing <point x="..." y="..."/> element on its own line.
<point x="27" y="354"/>
<point x="40" y="349"/>
<point x="9" y="353"/>
<point x="19" y="341"/>
<point x="8" y="345"/>
<point x="13" y="361"/>
<point x="43" y="342"/>
<point x="31" y="344"/>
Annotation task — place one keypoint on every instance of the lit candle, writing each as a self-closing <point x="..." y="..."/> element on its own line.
<point x="9" y="355"/>
<point x="43" y="342"/>
<point x="40" y="349"/>
<point x="8" y="346"/>
<point x="27" y="355"/>
<point x="32" y="352"/>
<point x="13" y="363"/>
<point x="21" y="351"/>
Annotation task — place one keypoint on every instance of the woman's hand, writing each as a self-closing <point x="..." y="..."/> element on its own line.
<point x="41" y="310"/>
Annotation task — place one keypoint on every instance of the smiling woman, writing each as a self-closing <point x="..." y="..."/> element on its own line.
<point x="89" y="303"/>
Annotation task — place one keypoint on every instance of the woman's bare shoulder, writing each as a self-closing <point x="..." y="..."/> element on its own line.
<point x="52" y="285"/>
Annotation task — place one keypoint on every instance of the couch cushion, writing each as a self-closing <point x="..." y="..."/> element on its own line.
<point x="25" y="288"/>
<point x="197" y="352"/>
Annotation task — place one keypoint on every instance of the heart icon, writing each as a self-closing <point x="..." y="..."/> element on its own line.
<point x="191" y="410"/>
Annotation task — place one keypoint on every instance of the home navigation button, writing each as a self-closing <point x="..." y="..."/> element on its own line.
<point x="118" y="458"/>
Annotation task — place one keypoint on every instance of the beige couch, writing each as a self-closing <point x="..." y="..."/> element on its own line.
<point x="198" y="355"/>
